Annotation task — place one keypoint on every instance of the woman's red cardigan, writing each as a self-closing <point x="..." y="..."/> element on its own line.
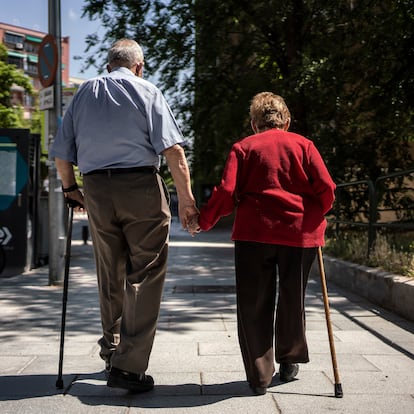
<point x="280" y="187"/>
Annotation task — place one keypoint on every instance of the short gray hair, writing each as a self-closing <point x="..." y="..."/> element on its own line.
<point x="125" y="53"/>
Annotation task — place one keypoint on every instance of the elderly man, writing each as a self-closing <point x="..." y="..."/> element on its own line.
<point x="115" y="130"/>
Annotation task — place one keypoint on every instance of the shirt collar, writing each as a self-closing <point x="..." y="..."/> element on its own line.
<point x="123" y="70"/>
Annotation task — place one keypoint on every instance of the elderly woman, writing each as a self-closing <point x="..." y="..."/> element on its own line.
<point x="281" y="190"/>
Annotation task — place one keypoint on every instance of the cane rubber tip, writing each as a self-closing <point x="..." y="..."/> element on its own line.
<point x="338" y="391"/>
<point x="59" y="383"/>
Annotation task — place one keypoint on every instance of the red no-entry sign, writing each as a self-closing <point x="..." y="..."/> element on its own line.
<point x="47" y="60"/>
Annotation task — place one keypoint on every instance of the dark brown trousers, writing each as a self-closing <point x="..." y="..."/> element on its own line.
<point x="129" y="219"/>
<point x="258" y="267"/>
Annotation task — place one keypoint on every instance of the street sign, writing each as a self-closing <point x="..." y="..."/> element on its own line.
<point x="47" y="60"/>
<point x="46" y="98"/>
<point x="5" y="235"/>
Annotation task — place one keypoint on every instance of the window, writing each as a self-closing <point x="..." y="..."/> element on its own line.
<point x="31" y="48"/>
<point x="17" y="61"/>
<point x="13" y="39"/>
<point x="32" y="68"/>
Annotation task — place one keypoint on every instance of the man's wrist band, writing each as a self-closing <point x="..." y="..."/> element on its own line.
<point x="70" y="189"/>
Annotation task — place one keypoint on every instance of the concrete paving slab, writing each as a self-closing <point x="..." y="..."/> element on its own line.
<point x="196" y="361"/>
<point x="344" y="324"/>
<point x="14" y="387"/>
<point x="360" y="347"/>
<point x="378" y="382"/>
<point x="173" y="349"/>
<point x="316" y="325"/>
<point x="59" y="404"/>
<point x="219" y="349"/>
<point x="49" y="348"/>
<point x="391" y="363"/>
<point x="316" y="383"/>
<point x="345" y="362"/>
<point x="205" y="404"/>
<point x="226" y="383"/>
<point x="350" y="404"/>
<point x="192" y="336"/>
<point x="93" y="385"/>
<point x="407" y="347"/>
<point x="14" y="364"/>
<point x="48" y="365"/>
<point x="202" y="326"/>
<point x="352" y="336"/>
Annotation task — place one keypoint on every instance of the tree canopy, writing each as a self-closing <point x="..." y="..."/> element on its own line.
<point x="345" y="69"/>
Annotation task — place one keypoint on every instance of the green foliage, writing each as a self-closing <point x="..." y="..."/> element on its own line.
<point x="10" y="117"/>
<point x="367" y="104"/>
<point x="345" y="69"/>
<point x="391" y="252"/>
<point x="166" y="35"/>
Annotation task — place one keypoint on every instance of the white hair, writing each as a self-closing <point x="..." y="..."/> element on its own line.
<point x="126" y="53"/>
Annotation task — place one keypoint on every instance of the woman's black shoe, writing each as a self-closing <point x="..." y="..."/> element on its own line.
<point x="288" y="372"/>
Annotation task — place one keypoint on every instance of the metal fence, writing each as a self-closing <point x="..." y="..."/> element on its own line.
<point x="387" y="202"/>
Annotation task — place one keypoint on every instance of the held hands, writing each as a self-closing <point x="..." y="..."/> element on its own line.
<point x="189" y="219"/>
<point x="193" y="226"/>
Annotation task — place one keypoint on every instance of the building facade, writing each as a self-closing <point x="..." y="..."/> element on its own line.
<point x="22" y="49"/>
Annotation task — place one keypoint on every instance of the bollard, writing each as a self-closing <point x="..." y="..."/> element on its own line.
<point x="85" y="234"/>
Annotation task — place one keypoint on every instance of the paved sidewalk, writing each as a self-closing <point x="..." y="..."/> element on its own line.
<point x="196" y="360"/>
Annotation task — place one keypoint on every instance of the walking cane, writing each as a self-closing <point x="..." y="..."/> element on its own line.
<point x="338" y="385"/>
<point x="71" y="204"/>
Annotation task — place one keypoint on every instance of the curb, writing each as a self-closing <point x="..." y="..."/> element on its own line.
<point x="393" y="292"/>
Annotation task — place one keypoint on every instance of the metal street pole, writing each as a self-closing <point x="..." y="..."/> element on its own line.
<point x="56" y="204"/>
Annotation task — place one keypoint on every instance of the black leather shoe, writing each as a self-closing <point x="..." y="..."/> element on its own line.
<point x="130" y="381"/>
<point x="288" y="372"/>
<point x="258" y="390"/>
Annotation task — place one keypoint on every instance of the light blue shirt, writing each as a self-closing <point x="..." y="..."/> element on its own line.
<point x="118" y="120"/>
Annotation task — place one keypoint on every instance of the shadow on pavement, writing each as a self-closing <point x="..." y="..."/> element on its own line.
<point x="90" y="389"/>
